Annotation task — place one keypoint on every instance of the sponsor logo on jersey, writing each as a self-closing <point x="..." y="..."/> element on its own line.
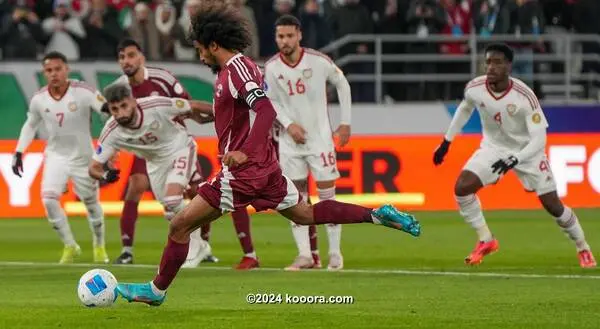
<point x="99" y="149"/>
<point x="179" y="103"/>
<point x="265" y="86"/>
<point x="536" y="118"/>
<point x="307" y="73"/>
<point x="47" y="110"/>
<point x="219" y="90"/>
<point x="482" y="105"/>
<point x="178" y="89"/>
<point x="72" y="106"/>
<point x="154" y="125"/>
<point x="280" y="77"/>
<point x="511" y="109"/>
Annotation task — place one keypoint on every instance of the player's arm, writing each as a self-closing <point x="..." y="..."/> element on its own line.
<point x="249" y="90"/>
<point x="273" y="91"/>
<point x="338" y="79"/>
<point x="202" y="112"/>
<point x="536" y="126"/>
<point x="26" y="136"/>
<point x="460" y="118"/>
<point x="103" y="155"/>
<point x="98" y="104"/>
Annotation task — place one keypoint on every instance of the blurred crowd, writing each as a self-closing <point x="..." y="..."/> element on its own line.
<point x="91" y="29"/>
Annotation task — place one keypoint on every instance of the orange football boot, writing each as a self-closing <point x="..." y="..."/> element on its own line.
<point x="586" y="259"/>
<point x="481" y="250"/>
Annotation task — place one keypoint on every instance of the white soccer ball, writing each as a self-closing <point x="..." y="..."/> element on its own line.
<point x="97" y="288"/>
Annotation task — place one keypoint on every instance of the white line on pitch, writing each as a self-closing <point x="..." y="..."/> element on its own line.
<point x="363" y="271"/>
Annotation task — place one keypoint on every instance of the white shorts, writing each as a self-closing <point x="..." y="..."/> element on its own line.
<point x="322" y="166"/>
<point x="179" y="169"/>
<point x="58" y="171"/>
<point x="535" y="174"/>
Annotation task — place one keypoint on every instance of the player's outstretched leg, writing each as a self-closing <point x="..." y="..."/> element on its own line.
<point x="138" y="183"/>
<point x="241" y="222"/>
<point x="198" y="212"/>
<point x="466" y="186"/>
<point x="58" y="219"/>
<point x="335" y="212"/>
<point x="569" y="223"/>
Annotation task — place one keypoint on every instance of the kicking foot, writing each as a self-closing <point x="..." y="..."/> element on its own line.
<point x="301" y="263"/>
<point x="140" y="292"/>
<point x="389" y="216"/>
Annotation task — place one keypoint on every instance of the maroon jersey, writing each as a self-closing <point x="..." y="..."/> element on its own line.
<point x="237" y="98"/>
<point x="158" y="82"/>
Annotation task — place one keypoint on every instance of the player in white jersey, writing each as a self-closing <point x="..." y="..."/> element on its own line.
<point x="514" y="137"/>
<point x="64" y="108"/>
<point x="296" y="79"/>
<point x="147" y="127"/>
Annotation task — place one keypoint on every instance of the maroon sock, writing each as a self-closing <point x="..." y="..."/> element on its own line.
<point x="205" y="232"/>
<point x="312" y="234"/>
<point x="335" y="212"/>
<point x="241" y="222"/>
<point x="172" y="258"/>
<point x="128" y="219"/>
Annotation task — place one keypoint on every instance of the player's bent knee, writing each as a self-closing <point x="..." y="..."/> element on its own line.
<point x="467" y="183"/>
<point x="552" y="204"/>
<point x="138" y="184"/>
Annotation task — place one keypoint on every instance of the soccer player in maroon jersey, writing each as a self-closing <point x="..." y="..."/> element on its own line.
<point x="144" y="82"/>
<point x="250" y="173"/>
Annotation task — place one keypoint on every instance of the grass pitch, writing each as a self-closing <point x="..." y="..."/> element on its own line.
<point x="396" y="281"/>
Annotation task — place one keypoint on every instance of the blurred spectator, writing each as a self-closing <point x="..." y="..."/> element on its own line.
<point x="424" y="17"/>
<point x="491" y="17"/>
<point x="527" y="17"/>
<point x="267" y="29"/>
<point x="586" y="19"/>
<point x="183" y="48"/>
<point x="354" y="18"/>
<point x="143" y="30"/>
<point x="165" y="19"/>
<point x="21" y="33"/>
<point x="315" y="32"/>
<point x="66" y="32"/>
<point x="103" y="31"/>
<point x="253" y="50"/>
<point x="458" y="24"/>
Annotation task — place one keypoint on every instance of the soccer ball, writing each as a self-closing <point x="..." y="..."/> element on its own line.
<point x="97" y="288"/>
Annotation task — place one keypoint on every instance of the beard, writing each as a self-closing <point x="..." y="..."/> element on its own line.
<point x="125" y="121"/>
<point x="215" y="68"/>
<point x="130" y="72"/>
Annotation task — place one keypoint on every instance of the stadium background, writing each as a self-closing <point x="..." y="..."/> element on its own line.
<point x="407" y="61"/>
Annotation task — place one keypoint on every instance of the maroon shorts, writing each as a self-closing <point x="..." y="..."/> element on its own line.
<point x="138" y="166"/>
<point x="273" y="191"/>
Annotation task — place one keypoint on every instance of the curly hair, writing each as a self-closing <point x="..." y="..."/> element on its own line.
<point x="222" y="24"/>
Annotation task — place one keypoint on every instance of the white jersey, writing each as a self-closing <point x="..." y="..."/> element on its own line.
<point x="508" y="118"/>
<point x="155" y="136"/>
<point x="299" y="95"/>
<point x="67" y="120"/>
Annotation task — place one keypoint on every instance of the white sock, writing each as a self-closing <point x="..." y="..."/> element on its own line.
<point x="300" y="233"/>
<point x="569" y="223"/>
<point x="334" y="232"/>
<point x="251" y="254"/>
<point x="61" y="225"/>
<point x="58" y="219"/>
<point x="127" y="249"/>
<point x="470" y="209"/>
<point x="96" y="222"/>
<point x="157" y="291"/>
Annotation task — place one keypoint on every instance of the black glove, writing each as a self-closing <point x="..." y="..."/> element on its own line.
<point x="111" y="175"/>
<point x="502" y="166"/>
<point x="17" y="164"/>
<point x="440" y="152"/>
